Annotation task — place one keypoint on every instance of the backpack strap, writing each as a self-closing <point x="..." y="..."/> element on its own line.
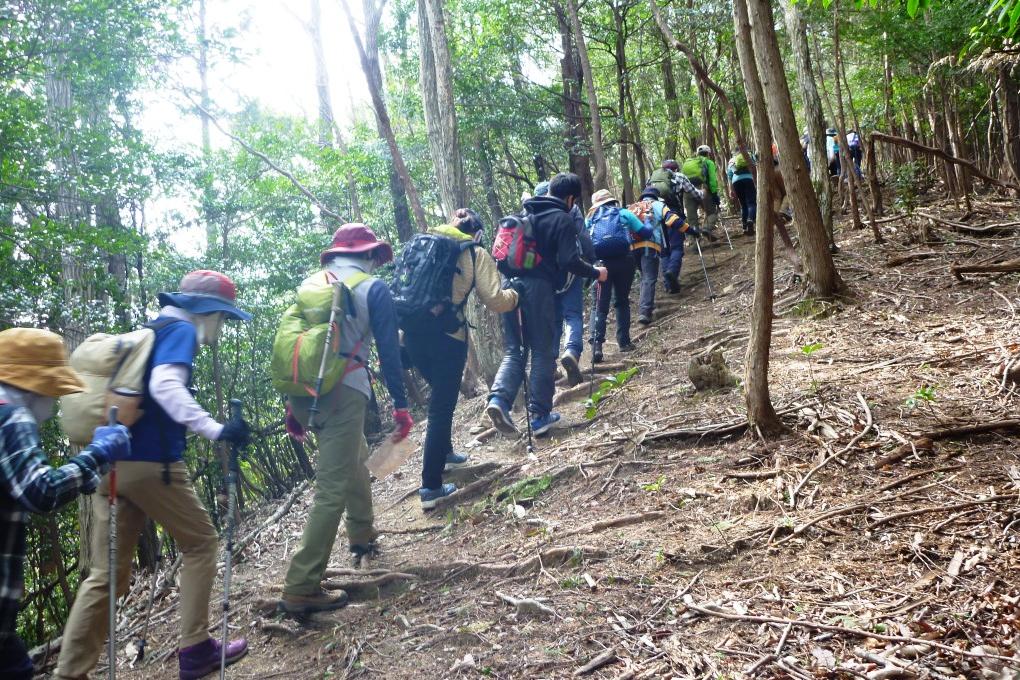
<point x="155" y="326"/>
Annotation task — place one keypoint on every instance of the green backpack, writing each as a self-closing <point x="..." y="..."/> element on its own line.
<point x="301" y="336"/>
<point x="740" y="162"/>
<point x="696" y="170"/>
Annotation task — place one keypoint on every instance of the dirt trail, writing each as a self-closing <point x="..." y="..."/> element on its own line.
<point x="628" y="548"/>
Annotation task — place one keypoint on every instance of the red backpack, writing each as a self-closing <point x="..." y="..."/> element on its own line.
<point x="515" y="248"/>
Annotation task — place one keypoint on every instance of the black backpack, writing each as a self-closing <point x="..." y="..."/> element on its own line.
<point x="422" y="284"/>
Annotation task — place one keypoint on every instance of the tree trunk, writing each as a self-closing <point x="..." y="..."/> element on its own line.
<point x="440" y="108"/>
<point x="368" y="53"/>
<point x="575" y="131"/>
<point x="621" y="103"/>
<point x="761" y="415"/>
<point x="672" y="105"/>
<point x="1009" y="95"/>
<point x="601" y="178"/>
<point x="822" y="279"/>
<point x="796" y="29"/>
<point x="846" y="164"/>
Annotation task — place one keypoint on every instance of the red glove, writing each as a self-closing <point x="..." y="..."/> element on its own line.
<point x="404" y="424"/>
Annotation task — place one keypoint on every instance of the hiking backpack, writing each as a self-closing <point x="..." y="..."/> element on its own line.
<point x="300" y="341"/>
<point x="662" y="180"/>
<point x="609" y="233"/>
<point x="645" y="210"/>
<point x="515" y="248"/>
<point x="422" y="283"/>
<point x="696" y="170"/>
<point x="113" y="369"/>
<point x="740" y="163"/>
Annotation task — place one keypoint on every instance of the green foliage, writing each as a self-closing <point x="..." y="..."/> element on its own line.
<point x="656" y="486"/>
<point x="910" y="180"/>
<point x="606" y="387"/>
<point x="810" y="348"/>
<point x="527" y="489"/>
<point x="922" y="395"/>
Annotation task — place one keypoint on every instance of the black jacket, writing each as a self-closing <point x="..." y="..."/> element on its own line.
<point x="556" y="236"/>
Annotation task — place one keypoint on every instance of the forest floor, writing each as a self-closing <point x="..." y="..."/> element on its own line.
<point x="659" y="539"/>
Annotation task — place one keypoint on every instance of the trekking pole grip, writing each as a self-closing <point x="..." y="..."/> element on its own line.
<point x="111" y="418"/>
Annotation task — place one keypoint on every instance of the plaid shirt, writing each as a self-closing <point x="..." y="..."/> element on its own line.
<point x="682" y="185"/>
<point x="29" y="484"/>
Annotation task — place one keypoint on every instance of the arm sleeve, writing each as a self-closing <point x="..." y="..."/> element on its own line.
<point x="168" y="386"/>
<point x="29" y="479"/>
<point x="689" y="188"/>
<point x="568" y="257"/>
<point x="635" y="225"/>
<point x="671" y="220"/>
<point x="490" y="288"/>
<point x="383" y="322"/>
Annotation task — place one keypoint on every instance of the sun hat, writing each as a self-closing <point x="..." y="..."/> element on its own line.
<point x="357" y="238"/>
<point x="35" y="360"/>
<point x="601" y="197"/>
<point x="204" y="291"/>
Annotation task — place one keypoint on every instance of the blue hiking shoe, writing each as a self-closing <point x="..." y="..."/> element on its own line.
<point x="430" y="497"/>
<point x="455" y="460"/>
<point x="540" y="426"/>
<point x="500" y="417"/>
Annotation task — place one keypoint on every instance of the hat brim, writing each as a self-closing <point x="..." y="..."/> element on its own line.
<point x="385" y="256"/>
<point x="599" y="204"/>
<point x="202" y="304"/>
<point x="49" y="381"/>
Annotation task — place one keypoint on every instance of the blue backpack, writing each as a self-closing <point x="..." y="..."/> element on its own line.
<point x="609" y="233"/>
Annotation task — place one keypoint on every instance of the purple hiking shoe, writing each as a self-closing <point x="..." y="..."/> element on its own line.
<point x="200" y="660"/>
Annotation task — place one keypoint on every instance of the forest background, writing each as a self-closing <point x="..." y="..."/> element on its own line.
<point x="142" y="139"/>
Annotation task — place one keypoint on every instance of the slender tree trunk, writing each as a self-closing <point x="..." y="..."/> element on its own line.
<point x="368" y="53"/>
<point x="621" y="103"/>
<point x="761" y="415"/>
<point x="822" y="279"/>
<point x="845" y="162"/>
<point x="672" y="105"/>
<point x="601" y="178"/>
<point x="203" y="97"/>
<point x="576" y="134"/>
<point x="796" y="29"/>
<point x="1009" y="95"/>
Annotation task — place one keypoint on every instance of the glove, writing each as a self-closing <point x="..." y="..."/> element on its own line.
<point x="694" y="231"/>
<point x="404" y="424"/>
<point x="110" y="443"/>
<point x="518" y="285"/>
<point x="236" y="432"/>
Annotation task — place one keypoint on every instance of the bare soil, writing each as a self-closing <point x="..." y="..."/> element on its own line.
<point x="661" y="552"/>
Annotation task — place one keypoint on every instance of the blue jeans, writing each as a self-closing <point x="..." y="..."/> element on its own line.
<point x="570" y="310"/>
<point x="671" y="263"/>
<point x="538" y="312"/>
<point x="14" y="661"/>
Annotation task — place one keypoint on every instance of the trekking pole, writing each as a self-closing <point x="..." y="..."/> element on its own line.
<point x="711" y="294"/>
<point x="140" y="642"/>
<point x="596" y="298"/>
<point x="313" y="410"/>
<point x="725" y="231"/>
<point x="527" y="392"/>
<point x="111" y="650"/>
<point x="232" y="475"/>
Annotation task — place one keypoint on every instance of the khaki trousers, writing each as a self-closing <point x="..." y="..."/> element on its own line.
<point x="140" y="493"/>
<point x="342" y="484"/>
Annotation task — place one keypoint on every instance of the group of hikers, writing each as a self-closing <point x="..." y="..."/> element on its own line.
<point x="533" y="276"/>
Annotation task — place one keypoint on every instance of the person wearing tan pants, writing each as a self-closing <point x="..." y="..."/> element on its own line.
<point x="156" y="483"/>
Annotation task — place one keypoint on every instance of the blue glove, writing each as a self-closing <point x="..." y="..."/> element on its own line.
<point x="110" y="443"/>
<point x="693" y="231"/>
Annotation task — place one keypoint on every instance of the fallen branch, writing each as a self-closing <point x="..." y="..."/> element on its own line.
<point x="942" y="508"/>
<point x="574" y="392"/>
<point x="909" y="478"/>
<point x="910" y="257"/>
<point x="841" y="452"/>
<point x="368" y="589"/>
<point x="960" y="226"/>
<point x="553" y="557"/>
<point x="527" y="606"/>
<point x="811" y="625"/>
<point x="271" y="520"/>
<point x="754" y="474"/>
<point x="939" y="153"/>
<point x="958" y="270"/>
<point x="474" y="487"/>
<point x="603" y="659"/>
<point x="902" y="451"/>
<point x="625" y="521"/>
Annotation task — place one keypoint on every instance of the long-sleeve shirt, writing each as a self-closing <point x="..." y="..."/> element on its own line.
<point x="556" y="235"/>
<point x="683" y="185"/>
<point x="665" y="221"/>
<point x="28" y="483"/>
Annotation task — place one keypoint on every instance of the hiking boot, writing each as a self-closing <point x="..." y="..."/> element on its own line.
<point x="500" y="417"/>
<point x="596" y="352"/>
<point x="540" y="426"/>
<point x="363" y="552"/>
<point x="455" y="460"/>
<point x="200" y="660"/>
<point x="671" y="283"/>
<point x="569" y="363"/>
<point x="430" y="497"/>
<point x="644" y="319"/>
<point x="316" y="602"/>
<point x="628" y="347"/>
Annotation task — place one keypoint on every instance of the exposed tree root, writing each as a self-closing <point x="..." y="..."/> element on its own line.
<point x="625" y="521"/>
<point x="554" y="557"/>
<point x="368" y="589"/>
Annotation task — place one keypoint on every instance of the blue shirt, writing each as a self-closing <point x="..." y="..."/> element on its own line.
<point x="156" y="437"/>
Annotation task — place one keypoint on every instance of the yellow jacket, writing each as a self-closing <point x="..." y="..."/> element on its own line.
<point x="476" y="269"/>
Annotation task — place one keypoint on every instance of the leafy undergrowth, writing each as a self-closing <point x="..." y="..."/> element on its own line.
<point x="657" y="539"/>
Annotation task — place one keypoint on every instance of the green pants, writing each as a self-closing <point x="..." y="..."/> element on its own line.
<point x="341" y="484"/>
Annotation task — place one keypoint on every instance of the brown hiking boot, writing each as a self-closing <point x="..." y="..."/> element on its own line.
<point x="316" y="602"/>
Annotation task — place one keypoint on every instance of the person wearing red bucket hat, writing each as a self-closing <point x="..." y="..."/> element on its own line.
<point x="342" y="484"/>
<point x="156" y="483"/>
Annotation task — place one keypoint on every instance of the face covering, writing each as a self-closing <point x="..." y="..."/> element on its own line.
<point x="208" y="327"/>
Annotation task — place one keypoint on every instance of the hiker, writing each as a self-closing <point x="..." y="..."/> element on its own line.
<point x="438" y="346"/>
<point x="855" y="148"/>
<point x="156" y="483"/>
<point x="742" y="190"/>
<point x="832" y="152"/>
<point x="701" y="171"/>
<point x="659" y="219"/>
<point x="551" y="245"/>
<point x="342" y="483"/>
<point x="673" y="186"/>
<point x="33" y="373"/>
<point x="613" y="229"/>
<point x="570" y="299"/>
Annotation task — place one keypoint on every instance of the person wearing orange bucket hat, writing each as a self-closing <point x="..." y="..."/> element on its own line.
<point x="342" y="484"/>
<point x="33" y="373"/>
<point x="156" y="483"/>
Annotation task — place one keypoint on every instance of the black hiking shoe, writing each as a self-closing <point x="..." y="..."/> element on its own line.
<point x="644" y="319"/>
<point x="628" y="347"/>
<point x="596" y="352"/>
<point x="671" y="283"/>
<point x="361" y="553"/>
<point x="569" y="363"/>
